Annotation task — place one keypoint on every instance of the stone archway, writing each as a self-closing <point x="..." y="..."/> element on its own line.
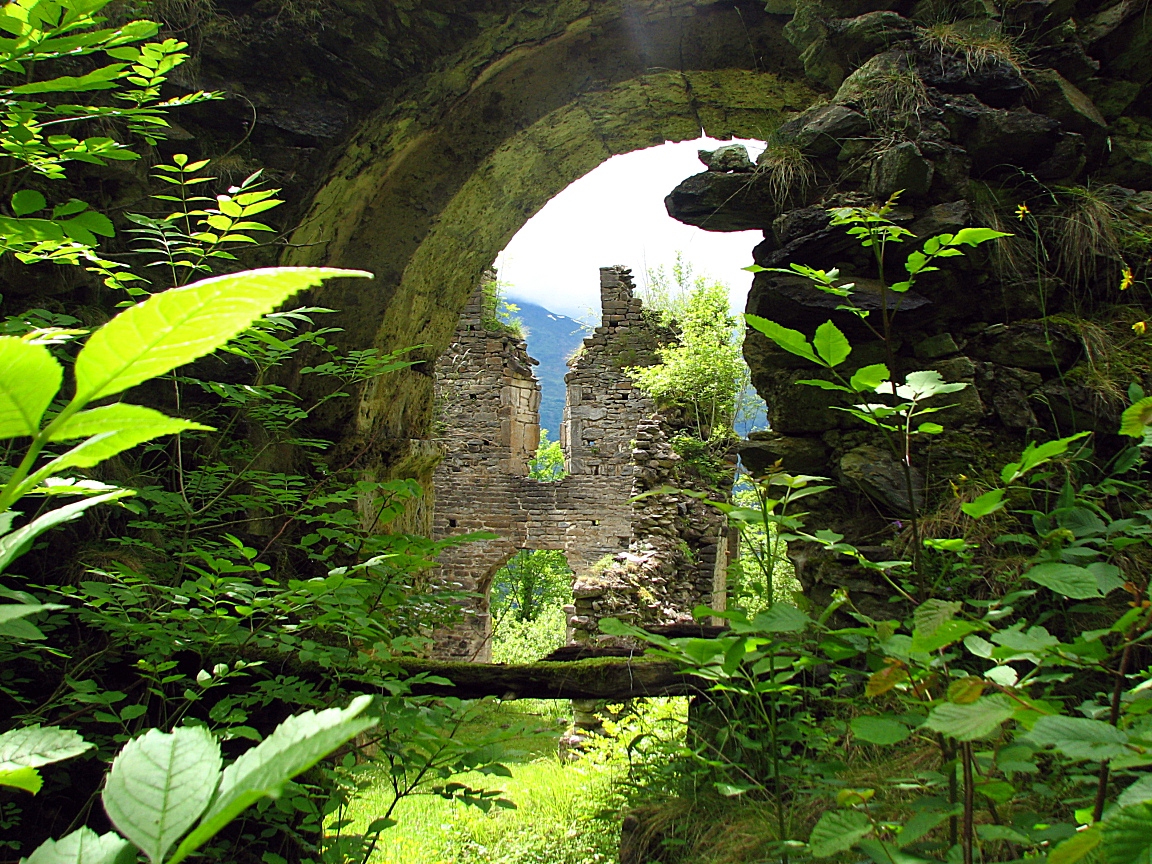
<point x="433" y="186"/>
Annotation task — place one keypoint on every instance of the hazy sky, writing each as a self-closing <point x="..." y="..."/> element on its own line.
<point x="615" y="215"/>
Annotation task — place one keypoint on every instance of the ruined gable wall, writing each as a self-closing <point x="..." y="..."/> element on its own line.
<point x="669" y="551"/>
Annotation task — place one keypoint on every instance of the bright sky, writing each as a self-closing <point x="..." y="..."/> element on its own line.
<point x="615" y="215"/>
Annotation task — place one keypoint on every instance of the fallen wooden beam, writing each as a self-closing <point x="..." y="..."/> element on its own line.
<point x="598" y="678"/>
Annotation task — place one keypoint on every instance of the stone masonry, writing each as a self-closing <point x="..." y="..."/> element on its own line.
<point x="615" y="446"/>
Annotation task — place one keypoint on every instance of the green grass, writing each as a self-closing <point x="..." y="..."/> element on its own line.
<point x="564" y="809"/>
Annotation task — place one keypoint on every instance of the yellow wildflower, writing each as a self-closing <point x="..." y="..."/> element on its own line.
<point x="1126" y="279"/>
<point x="1140" y="327"/>
<point x="1022" y="211"/>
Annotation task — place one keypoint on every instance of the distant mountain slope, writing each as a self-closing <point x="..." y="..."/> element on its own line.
<point x="551" y="339"/>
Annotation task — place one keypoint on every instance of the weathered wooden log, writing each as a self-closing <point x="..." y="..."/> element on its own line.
<point x="598" y="678"/>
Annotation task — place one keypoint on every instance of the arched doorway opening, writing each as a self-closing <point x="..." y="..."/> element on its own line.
<point x="431" y="189"/>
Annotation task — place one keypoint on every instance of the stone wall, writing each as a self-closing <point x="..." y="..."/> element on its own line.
<point x="652" y="561"/>
<point x="1038" y="325"/>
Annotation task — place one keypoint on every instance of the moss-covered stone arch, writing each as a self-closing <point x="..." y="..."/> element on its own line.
<point x="434" y="185"/>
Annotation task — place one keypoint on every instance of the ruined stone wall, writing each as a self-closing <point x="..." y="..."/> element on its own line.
<point x="1028" y="139"/>
<point x="668" y="554"/>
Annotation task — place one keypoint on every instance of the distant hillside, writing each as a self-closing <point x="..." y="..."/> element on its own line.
<point x="551" y="339"/>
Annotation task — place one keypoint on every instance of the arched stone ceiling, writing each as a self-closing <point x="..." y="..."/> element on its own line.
<point x="432" y="187"/>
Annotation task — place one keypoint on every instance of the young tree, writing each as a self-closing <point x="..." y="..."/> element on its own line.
<point x="703" y="372"/>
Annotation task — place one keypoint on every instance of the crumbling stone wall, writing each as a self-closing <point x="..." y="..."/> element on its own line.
<point x="1032" y="324"/>
<point x="651" y="561"/>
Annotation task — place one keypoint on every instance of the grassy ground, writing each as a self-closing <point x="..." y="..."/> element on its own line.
<point x="564" y="810"/>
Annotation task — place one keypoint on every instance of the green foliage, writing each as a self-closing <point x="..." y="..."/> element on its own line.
<point x="35" y="138"/>
<point x="548" y="464"/>
<point x="528" y="584"/>
<point x="703" y="372"/>
<point x="163" y="784"/>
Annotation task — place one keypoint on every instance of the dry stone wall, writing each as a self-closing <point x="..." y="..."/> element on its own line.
<point x="651" y="561"/>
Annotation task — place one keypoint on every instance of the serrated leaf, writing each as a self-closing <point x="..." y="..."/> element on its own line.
<point x="792" y="341"/>
<point x="837" y="831"/>
<point x="966" y="690"/>
<point x="1079" y="737"/>
<point x="944" y="635"/>
<point x="33" y="746"/>
<point x="885" y="679"/>
<point x="29" y="379"/>
<point x="1126" y="837"/>
<point x="921" y="823"/>
<point x="976" y="236"/>
<point x="1075" y="847"/>
<point x="27" y="201"/>
<point x="1136" y="418"/>
<point x="14" y="544"/>
<point x="869" y="377"/>
<point x="781" y="618"/>
<point x="930" y="614"/>
<point x="113" y="429"/>
<point x="28" y="779"/>
<point x="886" y="853"/>
<point x="177" y="326"/>
<point x="84" y="846"/>
<point x="831" y="344"/>
<point x="296" y="745"/>
<point x="969" y="722"/>
<point x="1137" y="793"/>
<point x="159" y="785"/>
<point x="879" y="730"/>
<point x="987" y="503"/>
<point x="1068" y="580"/>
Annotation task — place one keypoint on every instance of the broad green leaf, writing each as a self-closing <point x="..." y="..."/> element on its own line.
<point x="831" y="344"/>
<point x="837" y="831"/>
<point x="1076" y="847"/>
<point x="1003" y="832"/>
<point x="99" y="79"/>
<point x="976" y="236"/>
<point x="1079" y="737"/>
<point x="1068" y="580"/>
<point x="159" y="785"/>
<point x="1137" y="793"/>
<point x="296" y="745"/>
<point x="1136" y="417"/>
<point x="27" y="201"/>
<point x="987" y="503"/>
<point x="930" y="614"/>
<point x="28" y="779"/>
<point x="869" y="377"/>
<point x="177" y="326"/>
<point x="879" y="730"/>
<point x="944" y="634"/>
<point x="926" y="383"/>
<point x="824" y="385"/>
<point x="969" y="722"/>
<point x="33" y="746"/>
<point x="887" y="853"/>
<point x="1035" y="455"/>
<point x="1127" y="836"/>
<point x="12" y="625"/>
<point x="966" y="690"/>
<point x="119" y="427"/>
<point x="781" y="618"/>
<point x="923" y="822"/>
<point x="14" y="545"/>
<point x="84" y="846"/>
<point x="792" y="341"/>
<point x="29" y="379"/>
